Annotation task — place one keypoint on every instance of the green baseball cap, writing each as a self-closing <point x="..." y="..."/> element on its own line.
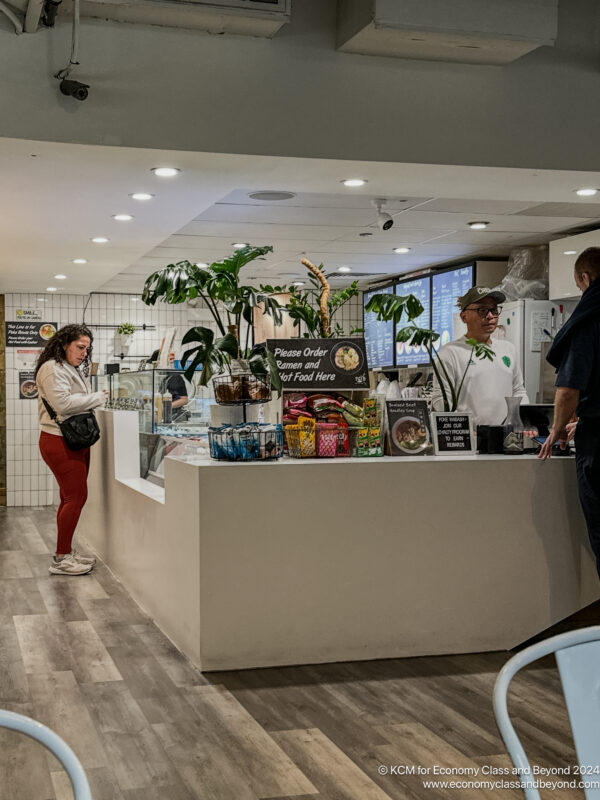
<point x="478" y="293"/>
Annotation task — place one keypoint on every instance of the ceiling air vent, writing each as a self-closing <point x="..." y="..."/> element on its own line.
<point x="261" y="18"/>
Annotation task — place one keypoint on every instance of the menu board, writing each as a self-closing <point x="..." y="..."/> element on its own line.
<point x="452" y="433"/>
<point x="379" y="335"/>
<point x="447" y="288"/>
<point x="27" y="386"/>
<point x="407" y="354"/>
<point x="321" y="363"/>
<point x="409" y="428"/>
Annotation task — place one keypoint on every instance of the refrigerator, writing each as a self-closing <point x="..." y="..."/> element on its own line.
<point x="522" y="322"/>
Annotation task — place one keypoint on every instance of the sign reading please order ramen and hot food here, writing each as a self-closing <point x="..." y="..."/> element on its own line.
<point x="321" y="363"/>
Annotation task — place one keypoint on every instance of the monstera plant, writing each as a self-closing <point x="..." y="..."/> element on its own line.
<point x="230" y="302"/>
<point x="389" y="307"/>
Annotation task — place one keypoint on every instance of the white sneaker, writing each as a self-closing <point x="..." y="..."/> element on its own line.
<point x="68" y="566"/>
<point x="82" y="559"/>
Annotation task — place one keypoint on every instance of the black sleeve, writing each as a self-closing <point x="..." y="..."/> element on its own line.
<point x="576" y="368"/>
<point x="176" y="385"/>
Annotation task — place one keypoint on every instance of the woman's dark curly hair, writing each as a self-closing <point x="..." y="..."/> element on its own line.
<point x="56" y="349"/>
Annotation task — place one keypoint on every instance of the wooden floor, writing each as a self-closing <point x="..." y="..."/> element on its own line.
<point x="79" y="655"/>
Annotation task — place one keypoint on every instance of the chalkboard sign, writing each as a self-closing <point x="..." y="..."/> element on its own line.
<point x="29" y="333"/>
<point x="452" y="433"/>
<point x="321" y="363"/>
<point x="409" y="428"/>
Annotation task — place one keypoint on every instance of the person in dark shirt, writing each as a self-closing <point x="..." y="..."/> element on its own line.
<point x="575" y="353"/>
<point x="176" y="386"/>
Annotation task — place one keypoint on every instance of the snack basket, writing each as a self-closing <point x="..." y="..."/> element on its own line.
<point x="247" y="442"/>
<point x="232" y="390"/>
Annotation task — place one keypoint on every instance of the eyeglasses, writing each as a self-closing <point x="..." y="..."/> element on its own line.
<point x="483" y="311"/>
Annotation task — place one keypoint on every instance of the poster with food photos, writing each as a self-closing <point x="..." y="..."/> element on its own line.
<point x="409" y="428"/>
<point x="321" y="363"/>
<point x="27" y="386"/>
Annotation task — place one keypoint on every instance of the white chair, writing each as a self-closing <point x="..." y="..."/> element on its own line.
<point x="51" y="740"/>
<point x="578" y="659"/>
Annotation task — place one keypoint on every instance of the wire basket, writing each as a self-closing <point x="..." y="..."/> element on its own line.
<point x="232" y="390"/>
<point x="246" y="443"/>
<point x="320" y="440"/>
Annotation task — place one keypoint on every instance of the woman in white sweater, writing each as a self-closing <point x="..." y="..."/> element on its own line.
<point x="61" y="377"/>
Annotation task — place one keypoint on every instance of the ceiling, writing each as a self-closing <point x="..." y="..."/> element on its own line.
<point x="55" y="197"/>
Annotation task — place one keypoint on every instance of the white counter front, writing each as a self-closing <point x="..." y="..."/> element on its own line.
<point x="259" y="564"/>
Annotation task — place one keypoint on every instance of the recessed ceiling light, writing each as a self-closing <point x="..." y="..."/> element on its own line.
<point x="570" y="252"/>
<point x="100" y="240"/>
<point x="80" y="260"/>
<point x="42" y="299"/>
<point x="60" y="277"/>
<point x="298" y="283"/>
<point x="478" y="226"/>
<point x="351" y="182"/>
<point x="135" y="299"/>
<point x="165" y="172"/>
<point x="201" y="264"/>
<point x="401" y="250"/>
<point x="51" y="288"/>
<point x="365" y="233"/>
<point x="586" y="191"/>
<point x="142" y="196"/>
<point x="344" y="269"/>
<point x="122" y="217"/>
<point x="239" y="245"/>
<point x="271" y="196"/>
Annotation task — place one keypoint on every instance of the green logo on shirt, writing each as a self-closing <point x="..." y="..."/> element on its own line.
<point x="506" y="360"/>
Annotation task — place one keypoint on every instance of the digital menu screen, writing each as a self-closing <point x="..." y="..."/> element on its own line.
<point x="447" y="288"/>
<point x="407" y="354"/>
<point x="379" y="336"/>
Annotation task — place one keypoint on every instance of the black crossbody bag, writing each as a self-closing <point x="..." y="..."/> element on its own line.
<point x="79" y="431"/>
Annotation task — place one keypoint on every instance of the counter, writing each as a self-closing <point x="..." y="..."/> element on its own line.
<point x="293" y="562"/>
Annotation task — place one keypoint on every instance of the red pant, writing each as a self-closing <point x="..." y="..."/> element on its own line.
<point x="70" y="468"/>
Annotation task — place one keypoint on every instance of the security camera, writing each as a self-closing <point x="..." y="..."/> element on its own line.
<point x="384" y="221"/>
<point x="74" y="89"/>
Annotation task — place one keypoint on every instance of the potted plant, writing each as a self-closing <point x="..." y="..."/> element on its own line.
<point x="230" y="302"/>
<point x="125" y="333"/>
<point x="389" y="307"/>
<point x="317" y="318"/>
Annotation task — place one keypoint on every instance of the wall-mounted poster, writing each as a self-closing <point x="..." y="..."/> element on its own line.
<point x="27" y="333"/>
<point x="27" y="386"/>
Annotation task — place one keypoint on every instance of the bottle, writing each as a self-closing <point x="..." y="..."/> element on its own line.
<point x="167" y="403"/>
<point x="158" y="409"/>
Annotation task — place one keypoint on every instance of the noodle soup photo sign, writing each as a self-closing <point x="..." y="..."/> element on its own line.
<point x="321" y="363"/>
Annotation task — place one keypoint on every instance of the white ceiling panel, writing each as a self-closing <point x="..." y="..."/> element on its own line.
<point x="346" y="198"/>
<point x="287" y="215"/>
<point x="455" y="206"/>
<point x="507" y="223"/>
<point x="242" y="232"/>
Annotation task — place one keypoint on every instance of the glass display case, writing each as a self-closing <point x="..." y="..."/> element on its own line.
<point x="174" y="414"/>
<point x="168" y="403"/>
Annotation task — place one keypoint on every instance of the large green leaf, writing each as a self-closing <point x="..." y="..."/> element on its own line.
<point x="213" y="354"/>
<point x="262" y="362"/>
<point x="394" y="307"/>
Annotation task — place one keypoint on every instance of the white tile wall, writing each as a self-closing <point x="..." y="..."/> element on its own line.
<point x="29" y="481"/>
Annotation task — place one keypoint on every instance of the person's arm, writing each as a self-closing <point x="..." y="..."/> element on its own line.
<point x="565" y="403"/>
<point x="181" y="401"/>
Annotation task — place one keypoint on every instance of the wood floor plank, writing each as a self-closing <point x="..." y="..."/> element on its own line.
<point x="60" y="705"/>
<point x="29" y="538"/>
<point x="14" y="565"/>
<point x="23" y="765"/>
<point x="60" y="601"/>
<point x="21" y="597"/>
<point x="180" y="671"/>
<point x="327" y="767"/>
<point x="91" y="662"/>
<point x="42" y="643"/>
<point x="269" y="770"/>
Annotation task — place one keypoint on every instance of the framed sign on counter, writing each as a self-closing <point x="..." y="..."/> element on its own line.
<point x="409" y="428"/>
<point x="321" y="363"/>
<point x="452" y="433"/>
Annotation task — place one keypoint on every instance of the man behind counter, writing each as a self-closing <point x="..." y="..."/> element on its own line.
<point x="175" y="385"/>
<point x="575" y="353"/>
<point x="486" y="383"/>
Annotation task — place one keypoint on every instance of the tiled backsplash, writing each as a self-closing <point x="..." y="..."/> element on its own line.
<point x="29" y="481"/>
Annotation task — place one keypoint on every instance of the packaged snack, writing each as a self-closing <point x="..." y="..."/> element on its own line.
<point x="292" y="437"/>
<point x="362" y="442"/>
<point x="352" y="408"/>
<point x="327" y="440"/>
<point x="307" y="437"/>
<point x="343" y="441"/>
<point x="370" y="411"/>
<point x="375" y="448"/>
